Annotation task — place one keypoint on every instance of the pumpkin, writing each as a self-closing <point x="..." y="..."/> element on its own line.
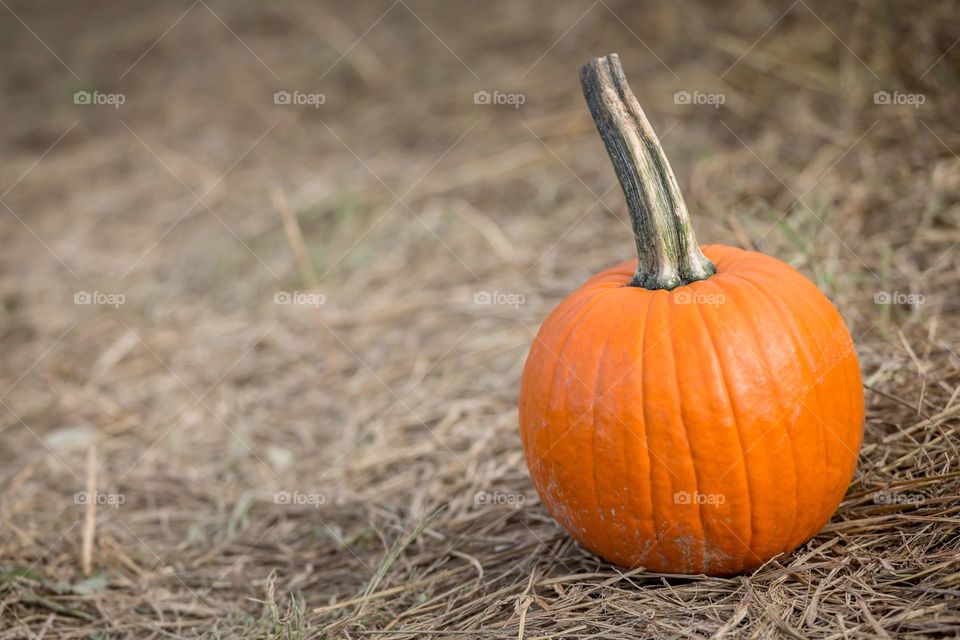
<point x="698" y="410"/>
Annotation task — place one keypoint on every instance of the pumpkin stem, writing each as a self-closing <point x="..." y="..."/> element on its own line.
<point x="669" y="255"/>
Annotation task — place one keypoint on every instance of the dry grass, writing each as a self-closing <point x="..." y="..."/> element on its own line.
<point x="199" y="199"/>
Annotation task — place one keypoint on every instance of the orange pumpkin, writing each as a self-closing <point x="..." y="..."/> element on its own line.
<point x="691" y="411"/>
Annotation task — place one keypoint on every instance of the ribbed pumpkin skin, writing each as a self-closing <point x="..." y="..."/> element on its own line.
<point x="743" y="389"/>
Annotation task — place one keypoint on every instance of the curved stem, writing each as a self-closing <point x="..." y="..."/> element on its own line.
<point x="669" y="255"/>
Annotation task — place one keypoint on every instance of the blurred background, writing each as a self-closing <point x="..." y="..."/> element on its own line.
<point x="270" y="271"/>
